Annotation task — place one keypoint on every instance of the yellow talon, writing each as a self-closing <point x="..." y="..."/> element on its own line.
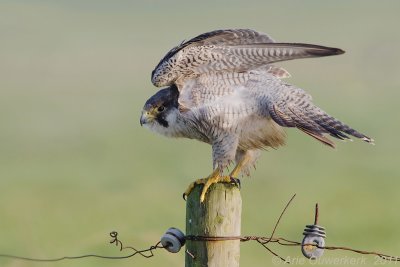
<point x="213" y="178"/>
<point x="192" y="185"/>
<point x="216" y="177"/>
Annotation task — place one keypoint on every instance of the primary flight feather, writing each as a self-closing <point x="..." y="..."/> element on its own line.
<point x="223" y="90"/>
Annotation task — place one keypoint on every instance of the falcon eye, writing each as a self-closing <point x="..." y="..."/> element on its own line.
<point x="161" y="109"/>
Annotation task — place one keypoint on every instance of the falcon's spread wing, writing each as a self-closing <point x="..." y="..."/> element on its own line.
<point x="229" y="50"/>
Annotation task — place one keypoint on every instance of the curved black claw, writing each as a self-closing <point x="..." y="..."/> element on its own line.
<point x="236" y="182"/>
<point x="184" y="196"/>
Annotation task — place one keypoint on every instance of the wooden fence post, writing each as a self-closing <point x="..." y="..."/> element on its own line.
<point x="219" y="215"/>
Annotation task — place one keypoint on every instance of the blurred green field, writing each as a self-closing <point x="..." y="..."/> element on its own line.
<point x="75" y="163"/>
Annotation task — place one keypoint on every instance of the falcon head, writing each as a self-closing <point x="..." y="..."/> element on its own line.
<point x="161" y="110"/>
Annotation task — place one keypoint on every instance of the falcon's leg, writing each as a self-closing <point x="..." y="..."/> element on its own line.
<point x="223" y="150"/>
<point x="239" y="166"/>
<point x="245" y="159"/>
<point x="213" y="178"/>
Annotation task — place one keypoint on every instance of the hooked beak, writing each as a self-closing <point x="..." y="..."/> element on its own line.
<point x="145" y="118"/>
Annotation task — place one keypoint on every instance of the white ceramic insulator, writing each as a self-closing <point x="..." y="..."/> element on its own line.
<point x="173" y="240"/>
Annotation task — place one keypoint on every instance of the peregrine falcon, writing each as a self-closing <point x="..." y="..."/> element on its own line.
<point x="223" y="90"/>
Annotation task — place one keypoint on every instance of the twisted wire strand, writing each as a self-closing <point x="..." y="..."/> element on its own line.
<point x="118" y="243"/>
<point x="263" y="240"/>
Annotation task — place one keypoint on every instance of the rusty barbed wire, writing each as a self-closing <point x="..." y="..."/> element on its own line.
<point x="286" y="242"/>
<point x="262" y="240"/>
<point x="118" y="243"/>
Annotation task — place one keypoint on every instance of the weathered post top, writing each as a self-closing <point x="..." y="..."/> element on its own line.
<point x="219" y="215"/>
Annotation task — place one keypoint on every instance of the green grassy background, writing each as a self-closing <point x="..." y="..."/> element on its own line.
<point x="75" y="163"/>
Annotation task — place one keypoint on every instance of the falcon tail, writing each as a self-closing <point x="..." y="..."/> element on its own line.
<point x="316" y="123"/>
<point x="339" y="130"/>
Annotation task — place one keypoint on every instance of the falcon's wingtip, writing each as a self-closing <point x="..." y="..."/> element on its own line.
<point x="326" y="51"/>
<point x="368" y="140"/>
<point x="338" y="51"/>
